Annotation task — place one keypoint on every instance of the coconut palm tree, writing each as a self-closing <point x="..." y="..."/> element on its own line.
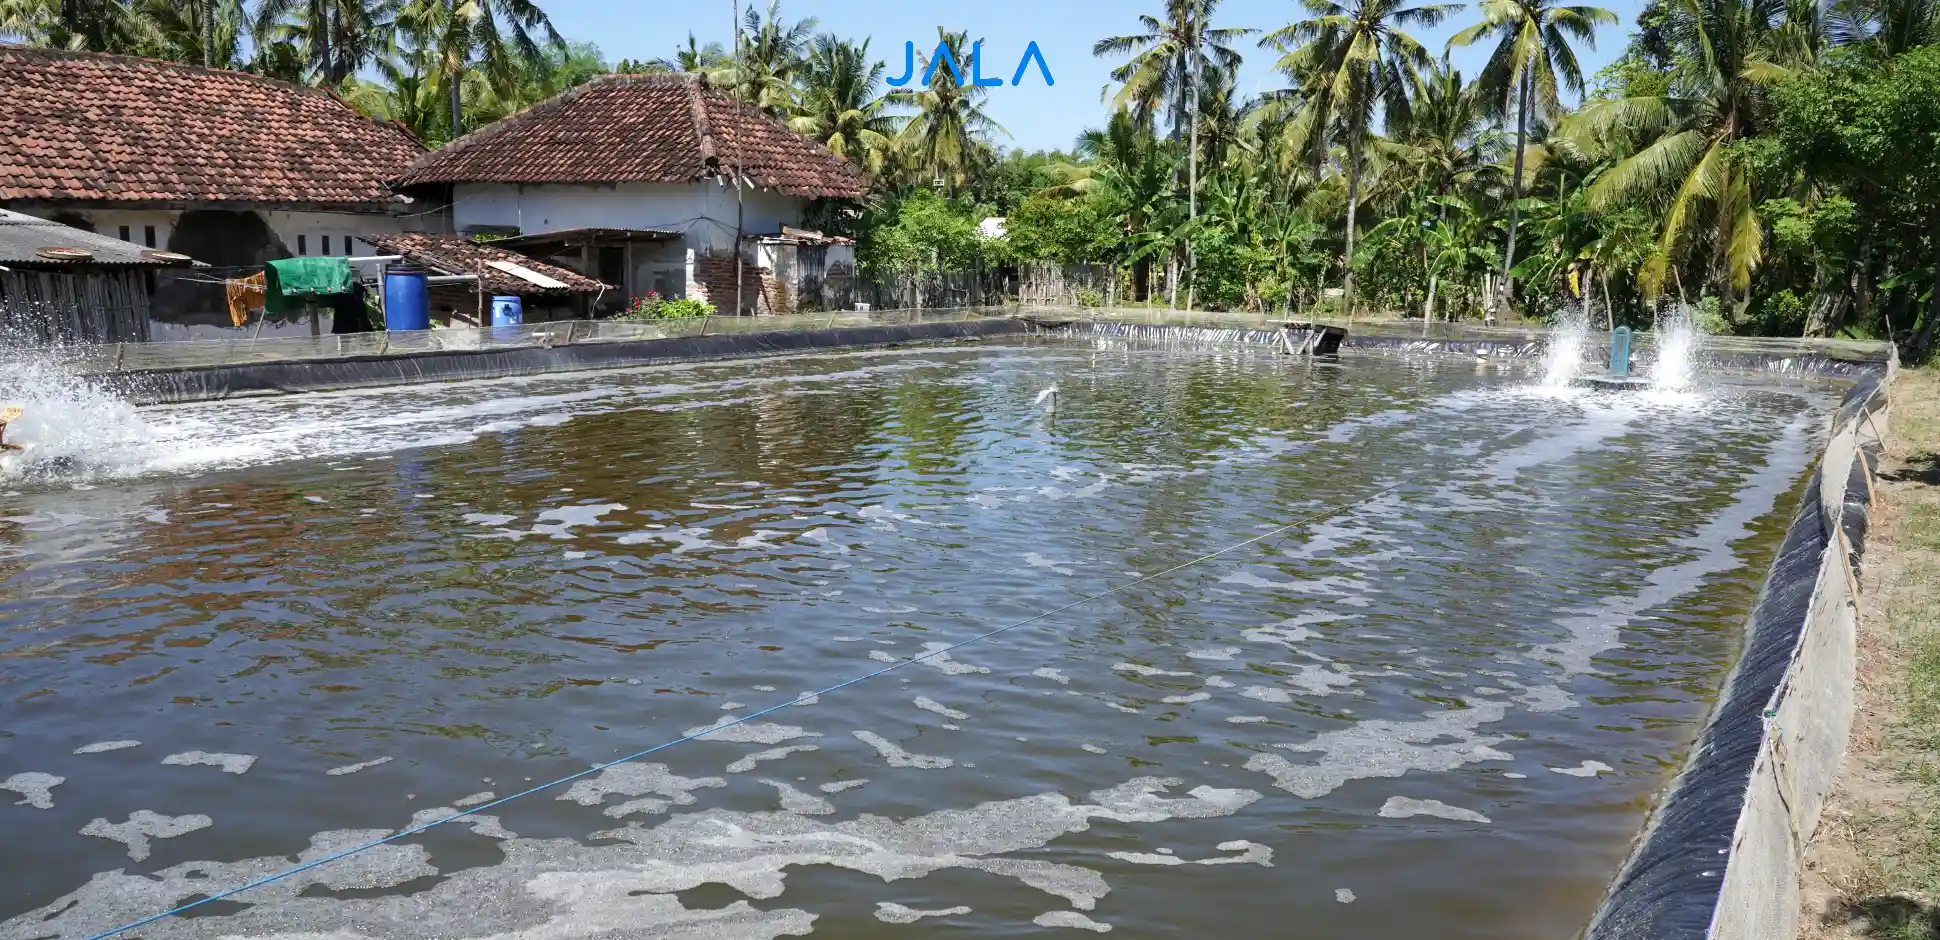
<point x="1881" y="29"/>
<point x="948" y="135"/>
<point x="1532" y="58"/>
<point x="841" y="103"/>
<point x="1128" y="170"/>
<point x="93" y="25"/>
<point x="692" y="57"/>
<point x="1170" y="60"/>
<point x="1679" y="144"/>
<point x="336" y="38"/>
<point x="484" y="36"/>
<point x="770" y="57"/>
<point x="1345" y="60"/>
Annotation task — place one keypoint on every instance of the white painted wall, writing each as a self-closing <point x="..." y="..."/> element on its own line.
<point x="302" y="232"/>
<point x="704" y="212"/>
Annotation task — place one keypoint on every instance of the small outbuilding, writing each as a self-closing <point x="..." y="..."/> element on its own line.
<point x="546" y="292"/>
<point x="59" y="284"/>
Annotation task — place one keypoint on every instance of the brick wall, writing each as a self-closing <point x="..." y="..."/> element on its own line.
<point x="714" y="282"/>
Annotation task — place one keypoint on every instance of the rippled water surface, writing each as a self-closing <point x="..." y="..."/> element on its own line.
<point x="288" y="627"/>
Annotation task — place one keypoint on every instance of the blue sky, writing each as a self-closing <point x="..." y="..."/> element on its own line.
<point x="1036" y="117"/>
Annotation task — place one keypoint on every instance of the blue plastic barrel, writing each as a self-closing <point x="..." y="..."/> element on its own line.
<point x="407" y="300"/>
<point x="507" y="314"/>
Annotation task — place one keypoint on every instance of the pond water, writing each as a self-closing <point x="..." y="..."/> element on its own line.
<point x="269" y="630"/>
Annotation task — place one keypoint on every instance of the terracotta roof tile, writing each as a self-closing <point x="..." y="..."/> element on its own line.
<point x="640" y="129"/>
<point x="86" y="126"/>
<point x="453" y="254"/>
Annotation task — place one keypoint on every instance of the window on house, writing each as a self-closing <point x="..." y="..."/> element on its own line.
<point x="148" y="235"/>
<point x="326" y="244"/>
<point x="350" y="247"/>
<point x="124" y="234"/>
<point x="303" y="244"/>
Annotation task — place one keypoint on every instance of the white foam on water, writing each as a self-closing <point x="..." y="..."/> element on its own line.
<point x="38" y="788"/>
<point x="1186" y="699"/>
<point x="749" y="732"/>
<point x="476" y="799"/>
<point x="894" y="754"/>
<point x="102" y="747"/>
<point x="1268" y="694"/>
<point x="1251" y="853"/>
<point x="628" y="880"/>
<point x="1148" y="671"/>
<point x="1219" y="682"/>
<point x="939" y="661"/>
<point x="795" y="801"/>
<point x="1588" y="768"/>
<point x="1401" y="807"/>
<point x="1035" y="560"/>
<point x="230" y="763"/>
<point x="1344" y="895"/>
<point x="636" y="779"/>
<point x="931" y="705"/>
<point x="1070" y="919"/>
<point x="1222" y="654"/>
<point x="144" y="825"/>
<point x="1245" y="719"/>
<point x="353" y="768"/>
<point x="748" y="763"/>
<point x="1382" y="748"/>
<point x="841" y="785"/>
<point x="1092" y="749"/>
<point x="889" y="912"/>
<point x="1054" y="675"/>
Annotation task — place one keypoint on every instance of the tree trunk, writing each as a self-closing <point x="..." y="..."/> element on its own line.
<point x="1192" y="182"/>
<point x="1515" y="189"/>
<point x="209" y="32"/>
<point x="1609" y="312"/>
<point x="1428" y="307"/>
<point x="1925" y="340"/>
<point x="457" y="112"/>
<point x="1589" y="276"/>
<point x="1353" y="200"/>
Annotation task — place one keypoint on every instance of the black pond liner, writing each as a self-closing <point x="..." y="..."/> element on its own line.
<point x="1670" y="887"/>
<point x="266" y="378"/>
<point x="1784" y="364"/>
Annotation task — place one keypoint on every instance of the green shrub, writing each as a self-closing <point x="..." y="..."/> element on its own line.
<point x="654" y="307"/>
<point x="685" y="307"/>
<point x="1089" y="298"/>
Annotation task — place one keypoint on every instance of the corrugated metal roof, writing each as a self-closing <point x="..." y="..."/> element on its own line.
<point x="23" y="236"/>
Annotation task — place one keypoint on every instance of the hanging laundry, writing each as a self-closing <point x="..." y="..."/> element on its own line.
<point x="293" y="282"/>
<point x="245" y="294"/>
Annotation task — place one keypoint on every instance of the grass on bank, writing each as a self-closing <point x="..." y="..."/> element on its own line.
<point x="1882" y="835"/>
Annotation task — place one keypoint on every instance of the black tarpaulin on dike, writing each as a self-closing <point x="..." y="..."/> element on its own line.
<point x="268" y="378"/>
<point x="1670" y="887"/>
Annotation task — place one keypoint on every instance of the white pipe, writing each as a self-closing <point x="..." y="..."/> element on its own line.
<point x="375" y="259"/>
<point x="450" y="278"/>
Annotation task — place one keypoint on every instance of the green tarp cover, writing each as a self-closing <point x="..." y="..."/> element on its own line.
<point x="291" y="282"/>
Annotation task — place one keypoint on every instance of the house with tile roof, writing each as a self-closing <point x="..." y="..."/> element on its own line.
<point x="228" y="168"/>
<point x="655" y="183"/>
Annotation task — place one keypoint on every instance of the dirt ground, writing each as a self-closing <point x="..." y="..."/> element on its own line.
<point x="1873" y="869"/>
